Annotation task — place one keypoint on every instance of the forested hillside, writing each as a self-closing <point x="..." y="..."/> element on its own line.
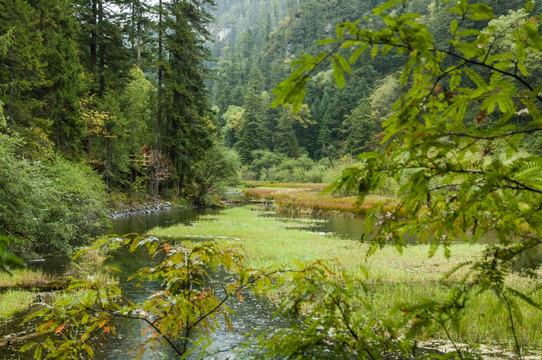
<point x="101" y="97"/>
<point x="255" y="53"/>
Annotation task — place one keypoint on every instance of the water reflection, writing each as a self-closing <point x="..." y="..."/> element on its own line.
<point x="142" y="223"/>
<point x="350" y="228"/>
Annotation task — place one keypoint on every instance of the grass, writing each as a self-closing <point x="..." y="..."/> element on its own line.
<point x="24" y="278"/>
<point x="394" y="278"/>
<point x="257" y="184"/>
<point x="308" y="198"/>
<point x="14" y="301"/>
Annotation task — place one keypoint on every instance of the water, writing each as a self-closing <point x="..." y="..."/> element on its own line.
<point x="350" y="228"/>
<point x="252" y="314"/>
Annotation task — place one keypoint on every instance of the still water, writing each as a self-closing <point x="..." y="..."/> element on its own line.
<point x="253" y="315"/>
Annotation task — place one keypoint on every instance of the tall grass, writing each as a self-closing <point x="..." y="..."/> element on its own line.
<point x="298" y="199"/>
<point x="12" y="302"/>
<point x="24" y="278"/>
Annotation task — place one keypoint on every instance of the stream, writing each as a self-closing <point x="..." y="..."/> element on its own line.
<point x="252" y="314"/>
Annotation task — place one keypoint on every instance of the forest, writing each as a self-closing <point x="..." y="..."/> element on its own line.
<point x="421" y="116"/>
<point x="130" y="99"/>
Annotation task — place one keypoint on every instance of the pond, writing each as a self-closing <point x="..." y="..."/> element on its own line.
<point x="351" y="228"/>
<point x="252" y="314"/>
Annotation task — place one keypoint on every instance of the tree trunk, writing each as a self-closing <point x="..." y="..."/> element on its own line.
<point x="138" y="35"/>
<point x="93" y="36"/>
<point x="160" y="75"/>
<point x="101" y="50"/>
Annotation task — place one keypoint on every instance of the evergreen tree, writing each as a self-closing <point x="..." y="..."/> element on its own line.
<point x="102" y="44"/>
<point x="360" y="129"/>
<point x="252" y="136"/>
<point x="188" y="130"/>
<point x="285" y="138"/>
<point x="65" y="85"/>
<point x="22" y="65"/>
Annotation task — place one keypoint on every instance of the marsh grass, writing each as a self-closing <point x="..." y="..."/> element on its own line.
<point x="15" y="301"/>
<point x="24" y="278"/>
<point x="298" y="198"/>
<point x="394" y="279"/>
<point x="257" y="184"/>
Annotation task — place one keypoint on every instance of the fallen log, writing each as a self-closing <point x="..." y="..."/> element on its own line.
<point x="15" y="338"/>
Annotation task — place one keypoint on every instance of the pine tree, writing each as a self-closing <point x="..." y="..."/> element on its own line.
<point x="252" y="136"/>
<point x="285" y="138"/>
<point x="22" y="69"/>
<point x="65" y="85"/>
<point x="188" y="130"/>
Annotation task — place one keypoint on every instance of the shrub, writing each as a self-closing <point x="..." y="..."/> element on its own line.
<point x="51" y="204"/>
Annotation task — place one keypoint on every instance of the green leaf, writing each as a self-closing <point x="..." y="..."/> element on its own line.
<point x="513" y="145"/>
<point x="338" y="73"/>
<point x="386" y="6"/>
<point x="344" y="64"/>
<point x="374" y="52"/>
<point x="357" y="53"/>
<point x="455" y="80"/>
<point x="453" y="27"/>
<point x="525" y="298"/>
<point x="326" y="41"/>
<point x="480" y="12"/>
<point x="476" y="78"/>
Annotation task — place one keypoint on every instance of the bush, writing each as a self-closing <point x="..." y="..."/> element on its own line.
<point x="51" y="204"/>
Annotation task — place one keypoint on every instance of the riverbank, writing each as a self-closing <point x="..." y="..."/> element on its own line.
<point x="142" y="209"/>
<point x="393" y="279"/>
<point x="298" y="198"/>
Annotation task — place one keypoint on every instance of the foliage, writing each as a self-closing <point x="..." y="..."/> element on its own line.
<point x="160" y="169"/>
<point x="78" y="78"/>
<point x="339" y="322"/>
<point x="219" y="165"/>
<point x="51" y="204"/>
<point x="190" y="302"/>
<point x="186" y="132"/>
<point x="454" y="98"/>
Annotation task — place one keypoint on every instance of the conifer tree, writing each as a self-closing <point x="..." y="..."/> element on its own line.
<point x="188" y="130"/>
<point x="252" y="136"/>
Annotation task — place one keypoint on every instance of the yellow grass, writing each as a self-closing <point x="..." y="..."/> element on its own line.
<point x="257" y="184"/>
<point x="311" y="200"/>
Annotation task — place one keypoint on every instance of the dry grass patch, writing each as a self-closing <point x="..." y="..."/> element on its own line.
<point x="308" y="199"/>
<point x="258" y="184"/>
